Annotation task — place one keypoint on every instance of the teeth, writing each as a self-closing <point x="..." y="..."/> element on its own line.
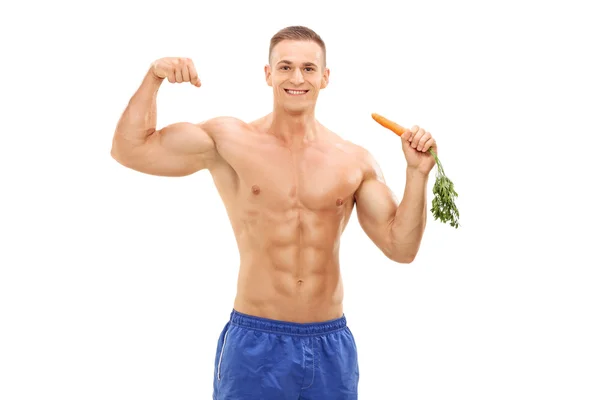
<point x="296" y="91"/>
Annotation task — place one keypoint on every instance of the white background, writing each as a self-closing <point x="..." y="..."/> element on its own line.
<point x="116" y="285"/>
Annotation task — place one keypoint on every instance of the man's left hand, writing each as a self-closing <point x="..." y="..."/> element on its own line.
<point x="416" y="143"/>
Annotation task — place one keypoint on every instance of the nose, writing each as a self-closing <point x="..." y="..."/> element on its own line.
<point x="297" y="77"/>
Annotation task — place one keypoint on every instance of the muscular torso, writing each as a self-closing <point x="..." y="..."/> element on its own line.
<point x="288" y="206"/>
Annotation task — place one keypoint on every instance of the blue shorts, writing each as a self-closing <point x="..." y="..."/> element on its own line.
<point x="264" y="359"/>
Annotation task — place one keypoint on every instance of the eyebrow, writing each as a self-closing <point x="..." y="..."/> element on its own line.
<point x="306" y="64"/>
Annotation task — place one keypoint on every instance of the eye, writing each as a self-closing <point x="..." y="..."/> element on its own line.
<point x="310" y="69"/>
<point x="284" y="67"/>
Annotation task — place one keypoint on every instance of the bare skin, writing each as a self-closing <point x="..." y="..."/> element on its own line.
<point x="288" y="183"/>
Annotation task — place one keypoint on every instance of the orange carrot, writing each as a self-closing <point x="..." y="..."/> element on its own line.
<point x="443" y="205"/>
<point x="391" y="125"/>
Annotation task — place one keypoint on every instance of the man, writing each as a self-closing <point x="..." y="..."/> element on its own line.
<point x="289" y="186"/>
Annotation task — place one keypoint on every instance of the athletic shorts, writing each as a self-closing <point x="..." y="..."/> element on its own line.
<point x="265" y="359"/>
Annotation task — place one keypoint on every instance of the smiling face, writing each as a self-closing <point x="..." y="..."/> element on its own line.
<point x="296" y="73"/>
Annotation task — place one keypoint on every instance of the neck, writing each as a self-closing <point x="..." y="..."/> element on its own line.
<point x="293" y="127"/>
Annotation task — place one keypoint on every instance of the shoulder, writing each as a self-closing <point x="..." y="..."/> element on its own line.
<point x="227" y="126"/>
<point x="360" y="156"/>
<point x="222" y="124"/>
<point x="363" y="159"/>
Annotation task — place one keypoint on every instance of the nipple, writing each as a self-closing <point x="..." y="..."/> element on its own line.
<point x="339" y="202"/>
<point x="255" y="189"/>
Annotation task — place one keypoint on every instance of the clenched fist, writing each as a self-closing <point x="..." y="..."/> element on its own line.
<point x="176" y="69"/>
<point x="416" y="144"/>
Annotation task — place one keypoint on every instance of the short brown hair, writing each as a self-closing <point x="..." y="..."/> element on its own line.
<point x="297" y="33"/>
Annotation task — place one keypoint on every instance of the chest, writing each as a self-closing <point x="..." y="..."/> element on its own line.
<point x="317" y="178"/>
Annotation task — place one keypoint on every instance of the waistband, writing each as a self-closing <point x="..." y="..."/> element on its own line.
<point x="289" y="328"/>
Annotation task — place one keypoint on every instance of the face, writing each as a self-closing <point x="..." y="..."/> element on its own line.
<point x="297" y="74"/>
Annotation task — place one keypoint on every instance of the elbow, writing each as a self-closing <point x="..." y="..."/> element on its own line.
<point x="118" y="152"/>
<point x="124" y="160"/>
<point x="115" y="155"/>
<point x="403" y="258"/>
<point x="114" y="148"/>
<point x="401" y="255"/>
<point x="126" y="151"/>
<point x="404" y="250"/>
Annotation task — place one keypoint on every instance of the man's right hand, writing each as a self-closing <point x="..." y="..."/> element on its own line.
<point x="176" y="69"/>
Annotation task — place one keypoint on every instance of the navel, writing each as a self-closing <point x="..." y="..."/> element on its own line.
<point x="255" y="189"/>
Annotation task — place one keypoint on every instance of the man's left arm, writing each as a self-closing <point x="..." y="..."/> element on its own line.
<point x="397" y="228"/>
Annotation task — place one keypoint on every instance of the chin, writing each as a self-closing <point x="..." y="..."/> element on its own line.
<point x="297" y="104"/>
<point x="296" y="109"/>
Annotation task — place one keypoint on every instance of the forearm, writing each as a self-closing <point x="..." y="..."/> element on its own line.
<point x="410" y="219"/>
<point x="138" y="121"/>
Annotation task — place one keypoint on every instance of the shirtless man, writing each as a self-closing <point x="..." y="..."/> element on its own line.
<point x="289" y="186"/>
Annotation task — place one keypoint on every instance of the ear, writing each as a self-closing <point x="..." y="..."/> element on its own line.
<point x="325" y="79"/>
<point x="268" y="75"/>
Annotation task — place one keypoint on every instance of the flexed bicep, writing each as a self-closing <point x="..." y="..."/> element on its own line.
<point x="178" y="149"/>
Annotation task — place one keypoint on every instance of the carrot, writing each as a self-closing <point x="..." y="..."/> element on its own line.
<point x="443" y="204"/>
<point x="391" y="125"/>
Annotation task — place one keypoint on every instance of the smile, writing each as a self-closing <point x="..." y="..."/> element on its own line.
<point x="295" y="92"/>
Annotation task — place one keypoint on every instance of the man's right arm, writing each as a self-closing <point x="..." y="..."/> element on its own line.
<point x="178" y="149"/>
